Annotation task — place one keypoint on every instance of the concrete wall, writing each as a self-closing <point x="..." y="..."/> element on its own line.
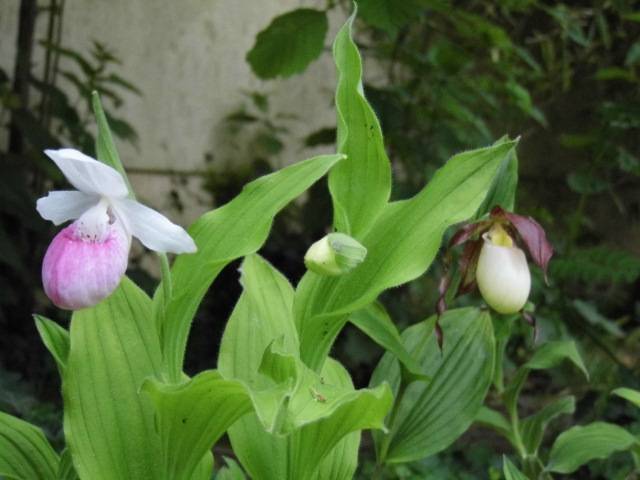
<point x="187" y="57"/>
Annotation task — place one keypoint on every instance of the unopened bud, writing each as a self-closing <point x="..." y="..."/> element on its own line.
<point x="334" y="254"/>
<point x="502" y="273"/>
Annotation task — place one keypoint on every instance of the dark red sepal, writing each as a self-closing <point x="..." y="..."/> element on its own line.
<point x="439" y="334"/>
<point x="443" y="286"/>
<point x="467" y="264"/>
<point x="467" y="231"/>
<point x="533" y="236"/>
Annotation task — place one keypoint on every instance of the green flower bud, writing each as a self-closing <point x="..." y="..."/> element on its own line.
<point x="334" y="254"/>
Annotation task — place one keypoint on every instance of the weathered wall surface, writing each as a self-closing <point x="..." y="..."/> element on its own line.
<point x="188" y="58"/>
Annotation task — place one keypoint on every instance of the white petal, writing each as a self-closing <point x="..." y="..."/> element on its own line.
<point x="503" y="277"/>
<point x="89" y="175"/>
<point x="153" y="229"/>
<point x="60" y="206"/>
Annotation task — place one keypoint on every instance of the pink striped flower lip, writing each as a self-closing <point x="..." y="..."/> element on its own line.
<point x="86" y="260"/>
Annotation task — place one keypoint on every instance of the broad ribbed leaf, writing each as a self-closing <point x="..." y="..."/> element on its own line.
<point x="628" y="394"/>
<point x="401" y="246"/>
<point x="229" y="232"/>
<point x="192" y="416"/>
<point x="25" y="453"/>
<point x="55" y="338"/>
<point x="109" y="427"/>
<point x="322" y="410"/>
<point x="290" y="43"/>
<point x="359" y="186"/>
<point x="510" y="471"/>
<point x="532" y="428"/>
<point x="579" y="445"/>
<point x="433" y="414"/>
<point x="375" y="322"/>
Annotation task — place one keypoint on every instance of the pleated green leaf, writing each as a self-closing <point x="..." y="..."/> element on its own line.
<point x="25" y="453"/>
<point x="532" y="428"/>
<point x="289" y="43"/>
<point x="192" y="416"/>
<point x="433" y="414"/>
<point x="55" y="338"/>
<point x="628" y="394"/>
<point x="581" y="444"/>
<point x="359" y="186"/>
<point x="109" y="427"/>
<point x="375" y="322"/>
<point x="321" y="411"/>
<point x="229" y="232"/>
<point x="510" y="471"/>
<point x="401" y="246"/>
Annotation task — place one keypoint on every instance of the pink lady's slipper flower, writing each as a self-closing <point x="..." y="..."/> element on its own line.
<point x="86" y="260"/>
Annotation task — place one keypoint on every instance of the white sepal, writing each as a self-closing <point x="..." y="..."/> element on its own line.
<point x="153" y="229"/>
<point x="89" y="175"/>
<point x="503" y="277"/>
<point x="63" y="205"/>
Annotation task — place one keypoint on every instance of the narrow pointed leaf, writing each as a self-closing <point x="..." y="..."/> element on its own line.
<point x="360" y="186"/>
<point x="533" y="427"/>
<point x="25" y="453"/>
<point x="375" y="322"/>
<point x="106" y="150"/>
<point x="629" y="394"/>
<point x="494" y="420"/>
<point x="503" y="189"/>
<point x="433" y="414"/>
<point x="109" y="427"/>
<point x="401" y="245"/>
<point x="55" y="338"/>
<point x="510" y="471"/>
<point x="581" y="444"/>
<point x="551" y="354"/>
<point x="229" y="232"/>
